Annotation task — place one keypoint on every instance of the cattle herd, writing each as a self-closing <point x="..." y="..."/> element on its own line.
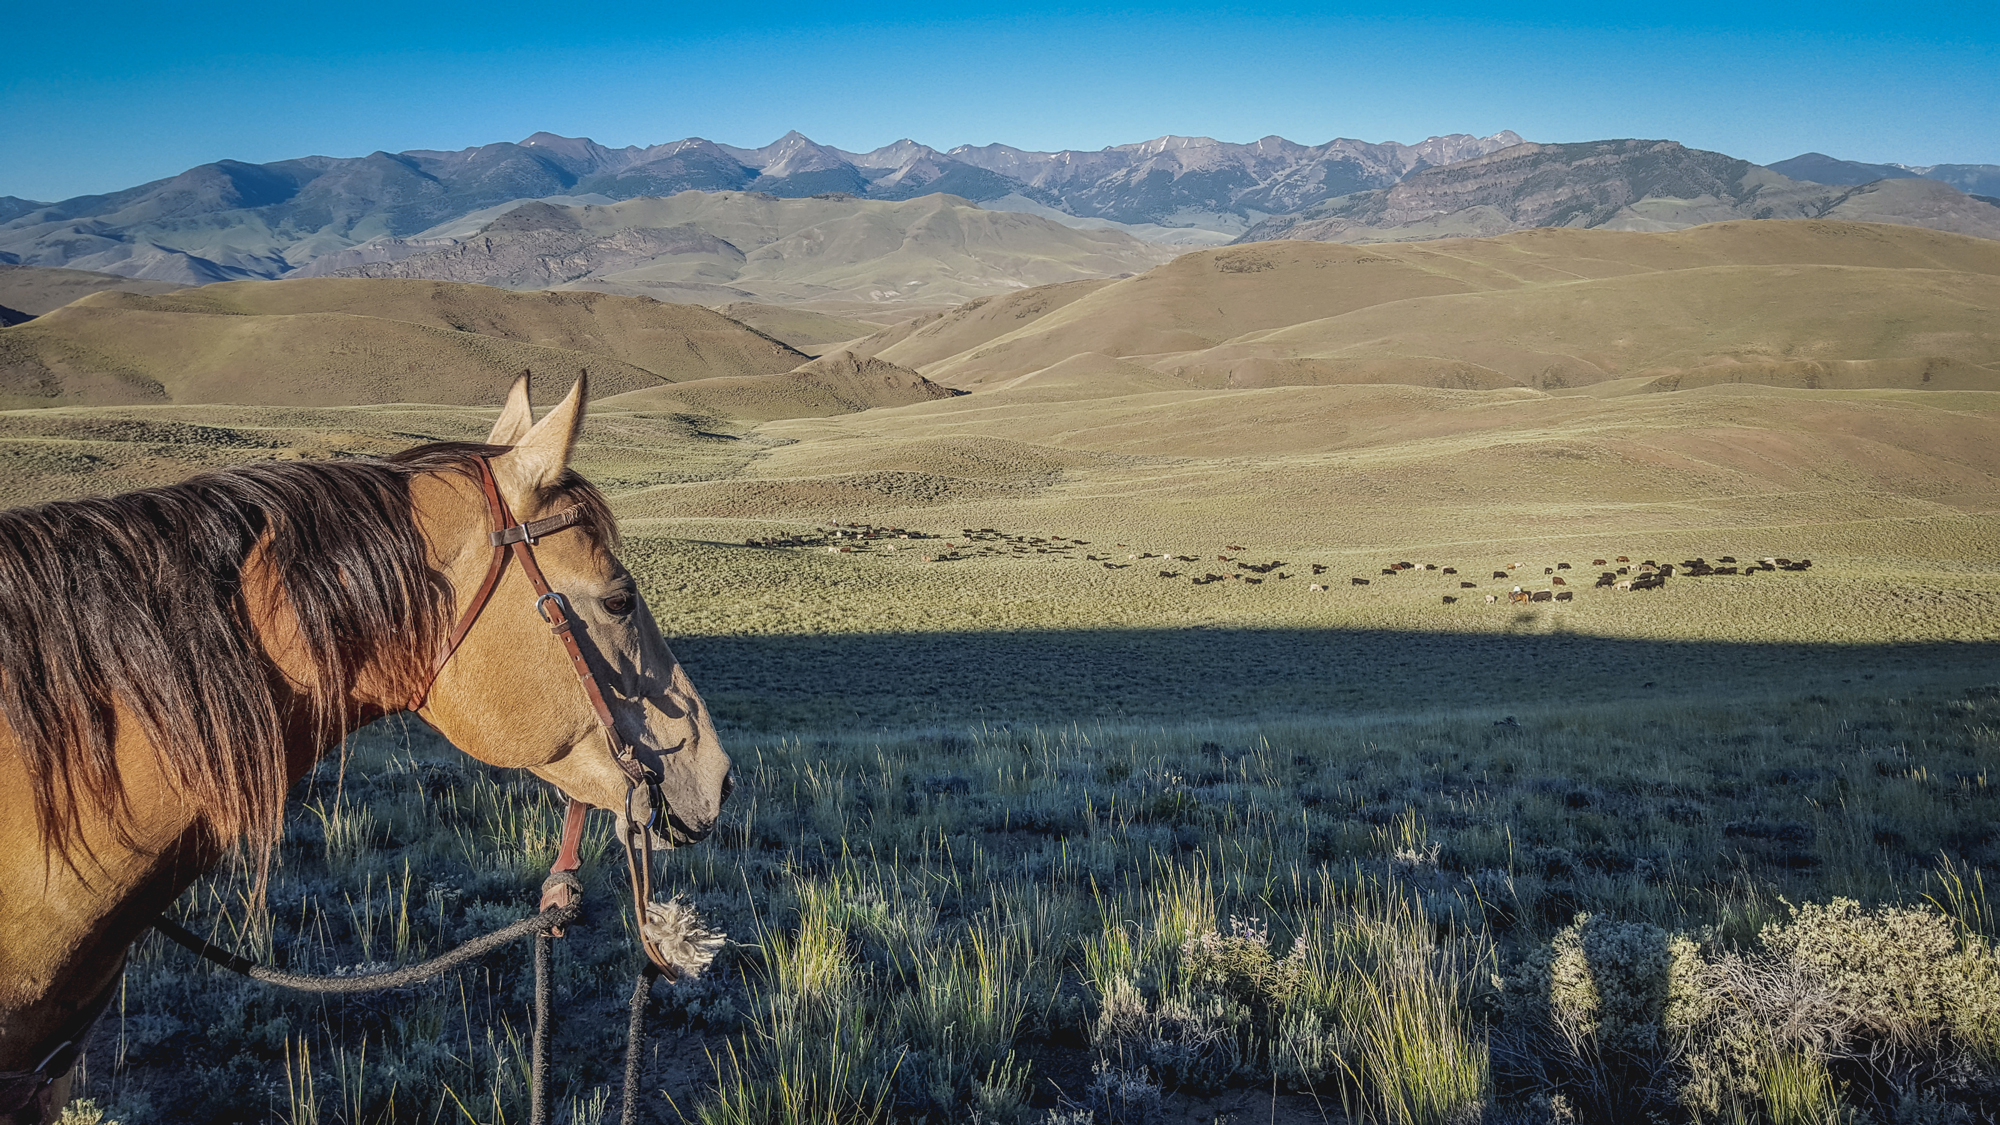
<point x="1618" y="574"/>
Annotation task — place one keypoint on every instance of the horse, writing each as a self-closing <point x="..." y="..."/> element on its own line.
<point x="173" y="660"/>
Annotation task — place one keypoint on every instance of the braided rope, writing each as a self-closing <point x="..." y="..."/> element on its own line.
<point x="371" y="982"/>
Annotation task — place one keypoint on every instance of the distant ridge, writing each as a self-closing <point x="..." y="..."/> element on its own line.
<point x="232" y="221"/>
<point x="1979" y="180"/>
<point x="1819" y="168"/>
<point x="729" y="247"/>
<point x="1641" y="185"/>
<point x="229" y="220"/>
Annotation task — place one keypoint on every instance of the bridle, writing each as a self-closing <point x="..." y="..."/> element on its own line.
<point x="516" y="540"/>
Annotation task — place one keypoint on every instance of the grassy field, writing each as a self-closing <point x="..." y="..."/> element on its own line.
<point x="1030" y="832"/>
<point x="1185" y="915"/>
<point x="1083" y="780"/>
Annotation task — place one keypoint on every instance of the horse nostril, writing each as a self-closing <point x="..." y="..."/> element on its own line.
<point x="728" y="784"/>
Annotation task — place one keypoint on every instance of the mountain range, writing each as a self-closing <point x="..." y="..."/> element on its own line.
<point x="906" y="224"/>
<point x="1618" y="185"/>
<point x="230" y="220"/>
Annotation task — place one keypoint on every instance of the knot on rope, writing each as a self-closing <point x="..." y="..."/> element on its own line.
<point x="560" y="889"/>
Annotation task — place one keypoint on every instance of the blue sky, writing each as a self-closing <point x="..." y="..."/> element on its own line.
<point x="137" y="91"/>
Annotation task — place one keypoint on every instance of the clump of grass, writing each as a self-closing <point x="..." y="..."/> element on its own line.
<point x="1796" y="1089"/>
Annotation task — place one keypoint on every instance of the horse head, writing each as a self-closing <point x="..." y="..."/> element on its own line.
<point x="510" y="695"/>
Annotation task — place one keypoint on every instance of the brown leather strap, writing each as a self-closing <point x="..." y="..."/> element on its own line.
<point x="535" y="529"/>
<point x="562" y="887"/>
<point x="496" y="507"/>
<point x="555" y="610"/>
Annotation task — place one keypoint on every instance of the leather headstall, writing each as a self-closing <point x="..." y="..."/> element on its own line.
<point x="516" y="540"/>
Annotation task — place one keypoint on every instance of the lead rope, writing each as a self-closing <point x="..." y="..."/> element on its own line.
<point x="564" y="889"/>
<point x="538" y="1048"/>
<point x="635" y="1041"/>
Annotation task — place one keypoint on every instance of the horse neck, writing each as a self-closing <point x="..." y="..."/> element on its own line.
<point x="66" y="920"/>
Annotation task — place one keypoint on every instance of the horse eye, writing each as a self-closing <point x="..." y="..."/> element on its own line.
<point x="618" y="605"/>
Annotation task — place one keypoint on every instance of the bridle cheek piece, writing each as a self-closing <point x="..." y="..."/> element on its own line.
<point x="514" y="540"/>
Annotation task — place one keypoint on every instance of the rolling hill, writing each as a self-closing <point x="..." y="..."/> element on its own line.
<point x="810" y="332"/>
<point x="718" y="247"/>
<point x="35" y="290"/>
<point x="838" y="383"/>
<point x="1549" y="309"/>
<point x="1811" y="388"/>
<point x="330" y="342"/>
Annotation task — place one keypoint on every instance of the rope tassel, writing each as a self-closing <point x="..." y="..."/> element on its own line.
<point x="682" y="944"/>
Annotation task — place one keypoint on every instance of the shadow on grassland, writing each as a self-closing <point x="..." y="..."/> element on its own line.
<point x="902" y="680"/>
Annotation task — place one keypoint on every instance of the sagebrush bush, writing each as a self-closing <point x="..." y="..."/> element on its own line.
<point x="1890" y="1006"/>
<point x="1592" y="1015"/>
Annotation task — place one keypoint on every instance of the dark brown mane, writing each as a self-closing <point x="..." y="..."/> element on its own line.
<point x="138" y="599"/>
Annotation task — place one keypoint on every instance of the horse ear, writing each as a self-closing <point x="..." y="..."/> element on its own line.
<point x="539" y="457"/>
<point x="516" y="418"/>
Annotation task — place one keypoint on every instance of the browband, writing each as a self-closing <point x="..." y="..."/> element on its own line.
<point x="535" y="529"/>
